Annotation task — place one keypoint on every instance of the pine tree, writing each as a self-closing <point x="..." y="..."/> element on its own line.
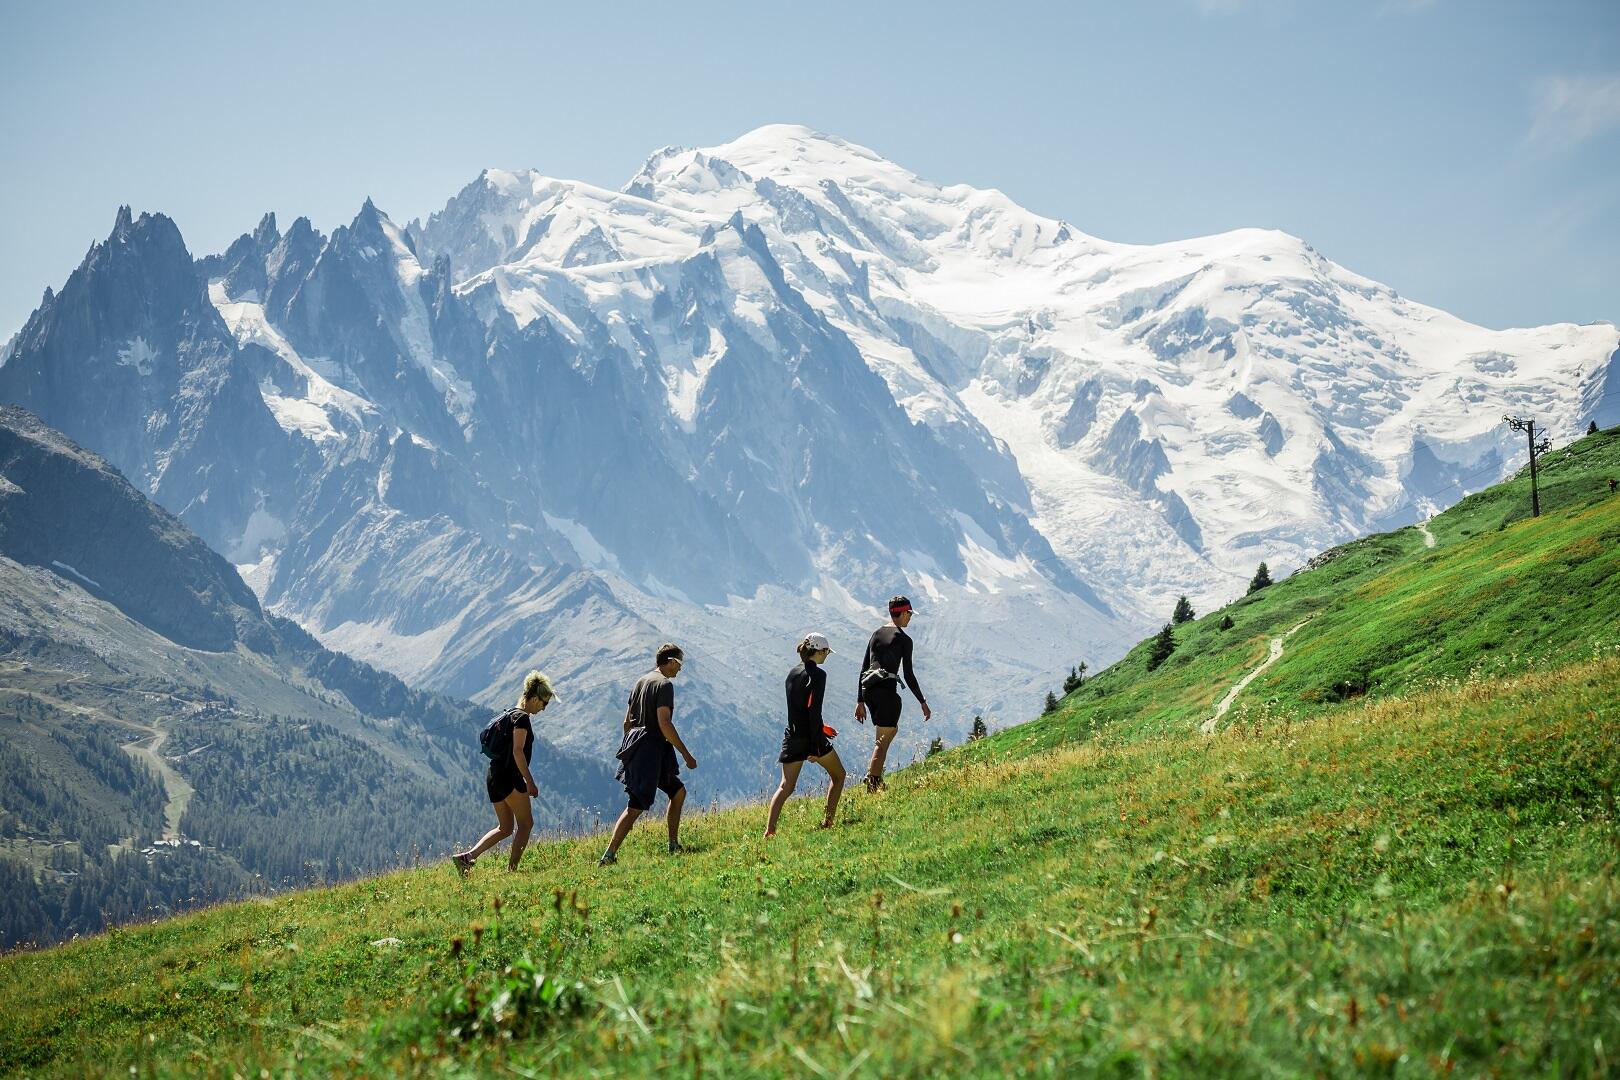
<point x="1592" y="428"/>
<point x="936" y="746"/>
<point x="1184" y="612"/>
<point x="1051" y="703"/>
<point x="1262" y="578"/>
<point x="1226" y="622"/>
<point x="1163" y="645"/>
<point x="1075" y="679"/>
<point x="979" y="729"/>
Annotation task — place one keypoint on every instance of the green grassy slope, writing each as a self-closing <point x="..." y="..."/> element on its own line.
<point x="1500" y="592"/>
<point x="1416" y="879"/>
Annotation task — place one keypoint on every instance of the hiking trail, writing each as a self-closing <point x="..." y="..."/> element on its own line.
<point x="178" y="793"/>
<point x="1428" y="537"/>
<point x="1208" y="726"/>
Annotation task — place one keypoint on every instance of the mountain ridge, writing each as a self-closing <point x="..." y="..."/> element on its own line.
<point x="127" y="646"/>
<point x="834" y="380"/>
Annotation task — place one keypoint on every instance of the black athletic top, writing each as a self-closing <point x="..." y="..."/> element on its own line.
<point x="519" y="720"/>
<point x="650" y="691"/>
<point x="890" y="649"/>
<point x="805" y="686"/>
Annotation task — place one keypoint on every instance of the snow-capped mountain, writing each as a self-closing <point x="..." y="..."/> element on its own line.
<point x="753" y="393"/>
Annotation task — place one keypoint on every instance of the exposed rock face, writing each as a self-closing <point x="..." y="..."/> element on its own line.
<point x="760" y="389"/>
<point x="64" y="508"/>
<point x="67" y="512"/>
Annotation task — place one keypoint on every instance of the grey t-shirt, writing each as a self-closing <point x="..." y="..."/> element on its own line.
<point x="651" y="691"/>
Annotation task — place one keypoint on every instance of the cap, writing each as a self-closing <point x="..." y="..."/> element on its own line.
<point x="817" y="642"/>
<point x="898" y="605"/>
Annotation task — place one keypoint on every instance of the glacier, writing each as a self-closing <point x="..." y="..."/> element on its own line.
<point x="751" y="394"/>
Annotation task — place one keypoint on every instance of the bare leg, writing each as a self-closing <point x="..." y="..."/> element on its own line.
<point x="880" y="753"/>
<point x="674" y="816"/>
<point x="502" y="829"/>
<point x="835" y="771"/>
<point x="790" y="780"/>
<point x="524" y="822"/>
<point x="621" y="828"/>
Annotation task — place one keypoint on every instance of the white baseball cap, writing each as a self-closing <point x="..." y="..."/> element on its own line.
<point x="817" y="642"/>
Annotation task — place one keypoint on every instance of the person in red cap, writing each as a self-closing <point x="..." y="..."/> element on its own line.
<point x="887" y="654"/>
<point x="806" y="737"/>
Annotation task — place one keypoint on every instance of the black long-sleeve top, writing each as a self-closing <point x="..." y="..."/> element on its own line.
<point x="805" y="686"/>
<point x="890" y="649"/>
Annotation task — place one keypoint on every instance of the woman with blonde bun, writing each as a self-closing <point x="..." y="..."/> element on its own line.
<point x="509" y="783"/>
<point x="806" y="737"/>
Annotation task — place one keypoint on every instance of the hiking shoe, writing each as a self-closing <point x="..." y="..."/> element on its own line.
<point x="675" y="847"/>
<point x="607" y="859"/>
<point x="462" y="864"/>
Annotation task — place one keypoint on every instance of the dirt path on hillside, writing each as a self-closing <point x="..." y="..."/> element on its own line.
<point x="1208" y="726"/>
<point x="1428" y="537"/>
<point x="176" y="791"/>
<point x="174" y="785"/>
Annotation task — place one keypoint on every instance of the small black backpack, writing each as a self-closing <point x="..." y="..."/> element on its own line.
<point x="496" y="738"/>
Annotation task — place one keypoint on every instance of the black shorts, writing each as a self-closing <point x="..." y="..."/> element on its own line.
<point x="648" y="769"/>
<point x="803" y="747"/>
<point x="884" y="709"/>
<point x="501" y="782"/>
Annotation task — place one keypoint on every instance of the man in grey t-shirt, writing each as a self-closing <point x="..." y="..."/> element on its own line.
<point x="647" y="754"/>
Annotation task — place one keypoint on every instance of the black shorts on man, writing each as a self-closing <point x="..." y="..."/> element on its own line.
<point x="646" y="768"/>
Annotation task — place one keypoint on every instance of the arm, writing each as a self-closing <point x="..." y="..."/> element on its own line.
<point x="911" y="681"/>
<point x="520" y="740"/>
<point x="860" y="686"/>
<point x="818" y="689"/>
<point x="627" y="718"/>
<point x="666" y="724"/>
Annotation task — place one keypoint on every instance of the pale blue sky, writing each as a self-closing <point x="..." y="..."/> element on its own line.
<point x="1465" y="152"/>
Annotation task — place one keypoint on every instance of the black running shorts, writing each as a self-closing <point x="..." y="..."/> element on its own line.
<point x="813" y="744"/>
<point x="648" y="769"/>
<point x="884" y="709"/>
<point x="501" y="780"/>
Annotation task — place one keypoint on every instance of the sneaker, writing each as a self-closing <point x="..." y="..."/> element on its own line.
<point x="608" y="859"/>
<point x="675" y="847"/>
<point x="462" y="864"/>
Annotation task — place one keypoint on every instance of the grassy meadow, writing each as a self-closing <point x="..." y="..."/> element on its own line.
<point x="1396" y="856"/>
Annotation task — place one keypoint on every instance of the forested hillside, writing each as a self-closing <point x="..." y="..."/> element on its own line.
<point x="165" y="743"/>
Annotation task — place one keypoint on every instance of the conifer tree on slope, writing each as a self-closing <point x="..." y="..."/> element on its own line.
<point x="1163" y="645"/>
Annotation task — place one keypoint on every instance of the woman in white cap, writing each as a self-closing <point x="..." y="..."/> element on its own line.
<point x="806" y="738"/>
